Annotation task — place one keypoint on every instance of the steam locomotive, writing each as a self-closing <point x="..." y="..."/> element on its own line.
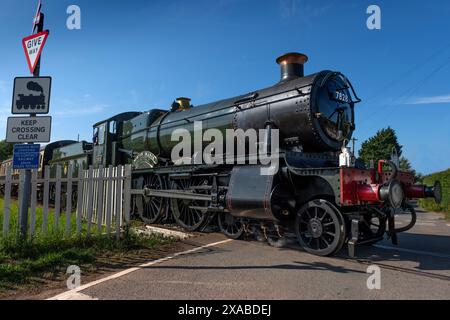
<point x="30" y="102"/>
<point x="318" y="192"/>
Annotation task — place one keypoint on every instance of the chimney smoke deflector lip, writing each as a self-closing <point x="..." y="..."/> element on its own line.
<point x="291" y="65"/>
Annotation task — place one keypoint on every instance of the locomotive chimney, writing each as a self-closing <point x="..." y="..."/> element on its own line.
<point x="291" y="65"/>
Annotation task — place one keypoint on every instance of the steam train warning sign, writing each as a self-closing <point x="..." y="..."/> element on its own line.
<point x="33" y="45"/>
<point x="31" y="95"/>
<point x="28" y="129"/>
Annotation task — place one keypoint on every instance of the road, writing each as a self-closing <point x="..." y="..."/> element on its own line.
<point x="419" y="268"/>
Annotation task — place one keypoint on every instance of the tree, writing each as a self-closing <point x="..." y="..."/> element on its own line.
<point x="380" y="146"/>
<point x="405" y="165"/>
<point x="6" y="150"/>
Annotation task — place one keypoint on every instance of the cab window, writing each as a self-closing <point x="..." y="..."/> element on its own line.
<point x="99" y="134"/>
<point x="112" y="127"/>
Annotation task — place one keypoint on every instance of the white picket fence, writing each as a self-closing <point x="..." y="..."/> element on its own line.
<point x="103" y="199"/>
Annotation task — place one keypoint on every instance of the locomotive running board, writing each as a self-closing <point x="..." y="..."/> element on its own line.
<point x="177" y="194"/>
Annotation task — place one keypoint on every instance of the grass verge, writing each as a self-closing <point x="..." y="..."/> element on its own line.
<point x="51" y="225"/>
<point x="25" y="262"/>
<point x="46" y="256"/>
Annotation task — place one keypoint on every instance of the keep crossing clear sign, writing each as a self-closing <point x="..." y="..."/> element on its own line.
<point x="28" y="129"/>
<point x="26" y="156"/>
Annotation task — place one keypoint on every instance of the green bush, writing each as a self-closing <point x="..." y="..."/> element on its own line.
<point x="444" y="206"/>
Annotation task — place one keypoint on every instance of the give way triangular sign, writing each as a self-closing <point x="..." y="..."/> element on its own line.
<point x="33" y="47"/>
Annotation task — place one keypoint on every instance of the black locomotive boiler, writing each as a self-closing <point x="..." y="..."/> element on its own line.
<point x="318" y="190"/>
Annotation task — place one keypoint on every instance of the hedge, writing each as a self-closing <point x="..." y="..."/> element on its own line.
<point x="444" y="206"/>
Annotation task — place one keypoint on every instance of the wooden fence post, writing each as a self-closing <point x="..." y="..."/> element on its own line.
<point x="100" y="198"/>
<point x="126" y="194"/>
<point x="20" y="192"/>
<point x="57" y="198"/>
<point x="69" y="200"/>
<point x="7" y="200"/>
<point x="33" y="202"/>
<point x="118" y="209"/>
<point x="109" y="196"/>
<point x="45" y="200"/>
<point x="79" y="198"/>
<point x="90" y="200"/>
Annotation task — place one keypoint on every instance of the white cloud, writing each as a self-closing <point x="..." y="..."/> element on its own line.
<point x="79" y="107"/>
<point x="78" y="112"/>
<point x="307" y="9"/>
<point x="431" y="100"/>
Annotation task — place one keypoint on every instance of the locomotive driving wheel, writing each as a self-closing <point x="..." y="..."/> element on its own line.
<point x="320" y="228"/>
<point x="190" y="214"/>
<point x="153" y="208"/>
<point x="230" y="226"/>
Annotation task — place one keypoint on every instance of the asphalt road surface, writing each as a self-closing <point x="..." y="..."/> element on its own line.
<point x="419" y="268"/>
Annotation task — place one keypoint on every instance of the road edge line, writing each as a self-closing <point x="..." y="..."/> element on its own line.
<point x="67" y="294"/>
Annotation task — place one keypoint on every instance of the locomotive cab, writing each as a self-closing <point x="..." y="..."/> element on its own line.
<point x="105" y="139"/>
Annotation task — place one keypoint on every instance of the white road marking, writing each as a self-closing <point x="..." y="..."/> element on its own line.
<point x="433" y="254"/>
<point x="198" y="283"/>
<point x="448" y="224"/>
<point x="429" y="224"/>
<point x="77" y="296"/>
<point x="68" y="294"/>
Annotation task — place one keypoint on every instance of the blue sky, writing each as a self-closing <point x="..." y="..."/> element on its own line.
<point x="138" y="55"/>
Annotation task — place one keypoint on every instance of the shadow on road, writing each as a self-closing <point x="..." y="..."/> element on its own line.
<point x="433" y="251"/>
<point x="295" y="266"/>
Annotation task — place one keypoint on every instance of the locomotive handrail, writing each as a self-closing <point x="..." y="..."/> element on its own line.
<point x="380" y="170"/>
<point x="249" y="97"/>
<point x="337" y="73"/>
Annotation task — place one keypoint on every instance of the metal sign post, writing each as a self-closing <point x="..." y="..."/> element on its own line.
<point x="25" y="200"/>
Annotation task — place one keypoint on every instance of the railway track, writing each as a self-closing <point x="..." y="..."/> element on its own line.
<point x="292" y="244"/>
<point x="421" y="273"/>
